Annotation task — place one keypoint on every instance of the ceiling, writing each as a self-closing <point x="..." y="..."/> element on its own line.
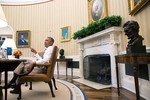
<point x="22" y="2"/>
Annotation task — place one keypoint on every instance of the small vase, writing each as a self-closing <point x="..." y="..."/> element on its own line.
<point x="17" y="56"/>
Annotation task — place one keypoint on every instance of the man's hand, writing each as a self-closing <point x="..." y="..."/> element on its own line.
<point x="30" y="67"/>
<point x="33" y="50"/>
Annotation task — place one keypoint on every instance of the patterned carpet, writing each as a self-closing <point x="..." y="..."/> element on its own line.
<point x="41" y="91"/>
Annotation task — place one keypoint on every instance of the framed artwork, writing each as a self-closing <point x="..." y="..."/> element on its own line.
<point x="136" y="5"/>
<point x="23" y="38"/>
<point x="97" y="9"/>
<point x="65" y="34"/>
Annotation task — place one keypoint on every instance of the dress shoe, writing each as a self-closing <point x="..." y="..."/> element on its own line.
<point x="14" y="91"/>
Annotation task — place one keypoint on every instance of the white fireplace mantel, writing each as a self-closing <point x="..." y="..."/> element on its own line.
<point x="104" y="42"/>
<point x="108" y="31"/>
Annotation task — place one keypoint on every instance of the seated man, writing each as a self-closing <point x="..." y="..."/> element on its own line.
<point x="24" y="69"/>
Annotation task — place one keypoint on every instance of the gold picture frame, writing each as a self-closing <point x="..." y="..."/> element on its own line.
<point x="23" y="38"/>
<point x="136" y="5"/>
<point x="65" y="34"/>
<point x="97" y="9"/>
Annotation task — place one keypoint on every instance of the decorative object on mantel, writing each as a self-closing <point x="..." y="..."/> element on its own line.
<point x="17" y="54"/>
<point x="61" y="52"/>
<point x="135" y="46"/>
<point x="98" y="26"/>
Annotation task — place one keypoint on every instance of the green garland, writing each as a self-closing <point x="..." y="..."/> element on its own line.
<point x="97" y="26"/>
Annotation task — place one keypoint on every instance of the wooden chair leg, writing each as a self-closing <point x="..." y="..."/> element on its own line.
<point x="30" y="86"/>
<point x="20" y="92"/>
<point x="0" y="77"/>
<point x="1" y="93"/>
<point x="26" y="83"/>
<point x="51" y="88"/>
<point x="54" y="83"/>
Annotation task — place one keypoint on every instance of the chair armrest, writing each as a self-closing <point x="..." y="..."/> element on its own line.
<point x="46" y="65"/>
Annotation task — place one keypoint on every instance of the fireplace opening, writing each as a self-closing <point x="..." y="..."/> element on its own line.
<point x="97" y="68"/>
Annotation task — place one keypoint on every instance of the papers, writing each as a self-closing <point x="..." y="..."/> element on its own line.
<point x="12" y="59"/>
<point x="28" y="59"/>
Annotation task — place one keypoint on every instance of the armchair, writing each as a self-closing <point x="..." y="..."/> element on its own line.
<point x="30" y="88"/>
<point x="36" y="77"/>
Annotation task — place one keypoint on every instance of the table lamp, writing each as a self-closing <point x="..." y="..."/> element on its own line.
<point x="9" y="44"/>
<point x="3" y="22"/>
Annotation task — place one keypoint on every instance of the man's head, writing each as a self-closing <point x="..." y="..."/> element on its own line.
<point x="131" y="29"/>
<point x="48" y="42"/>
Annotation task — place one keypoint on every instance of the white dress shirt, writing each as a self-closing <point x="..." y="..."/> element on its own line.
<point x="46" y="56"/>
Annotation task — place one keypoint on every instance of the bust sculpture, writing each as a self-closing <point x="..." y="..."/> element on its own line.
<point x="131" y="29"/>
<point x="61" y="52"/>
<point x="135" y="43"/>
<point x="135" y="46"/>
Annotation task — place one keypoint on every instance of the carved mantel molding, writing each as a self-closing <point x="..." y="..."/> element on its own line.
<point x="110" y="35"/>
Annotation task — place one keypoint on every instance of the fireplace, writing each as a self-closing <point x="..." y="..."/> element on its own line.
<point x="106" y="43"/>
<point x="97" y="68"/>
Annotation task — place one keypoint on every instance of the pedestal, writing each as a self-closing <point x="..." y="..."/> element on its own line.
<point x="62" y="57"/>
<point x="143" y="68"/>
<point x="136" y="49"/>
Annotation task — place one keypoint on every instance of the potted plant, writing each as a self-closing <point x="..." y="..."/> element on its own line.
<point x="97" y="26"/>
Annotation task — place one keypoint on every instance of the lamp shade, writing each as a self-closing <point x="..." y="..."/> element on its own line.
<point x="3" y="21"/>
<point x="9" y="43"/>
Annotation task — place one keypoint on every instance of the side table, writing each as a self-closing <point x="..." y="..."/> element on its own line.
<point x="134" y="59"/>
<point x="67" y="60"/>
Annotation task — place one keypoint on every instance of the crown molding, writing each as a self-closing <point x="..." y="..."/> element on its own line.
<point x="22" y="2"/>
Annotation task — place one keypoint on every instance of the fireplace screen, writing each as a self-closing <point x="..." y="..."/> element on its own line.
<point x="97" y="68"/>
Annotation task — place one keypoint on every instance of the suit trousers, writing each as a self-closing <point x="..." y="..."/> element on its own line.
<point x="21" y="69"/>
